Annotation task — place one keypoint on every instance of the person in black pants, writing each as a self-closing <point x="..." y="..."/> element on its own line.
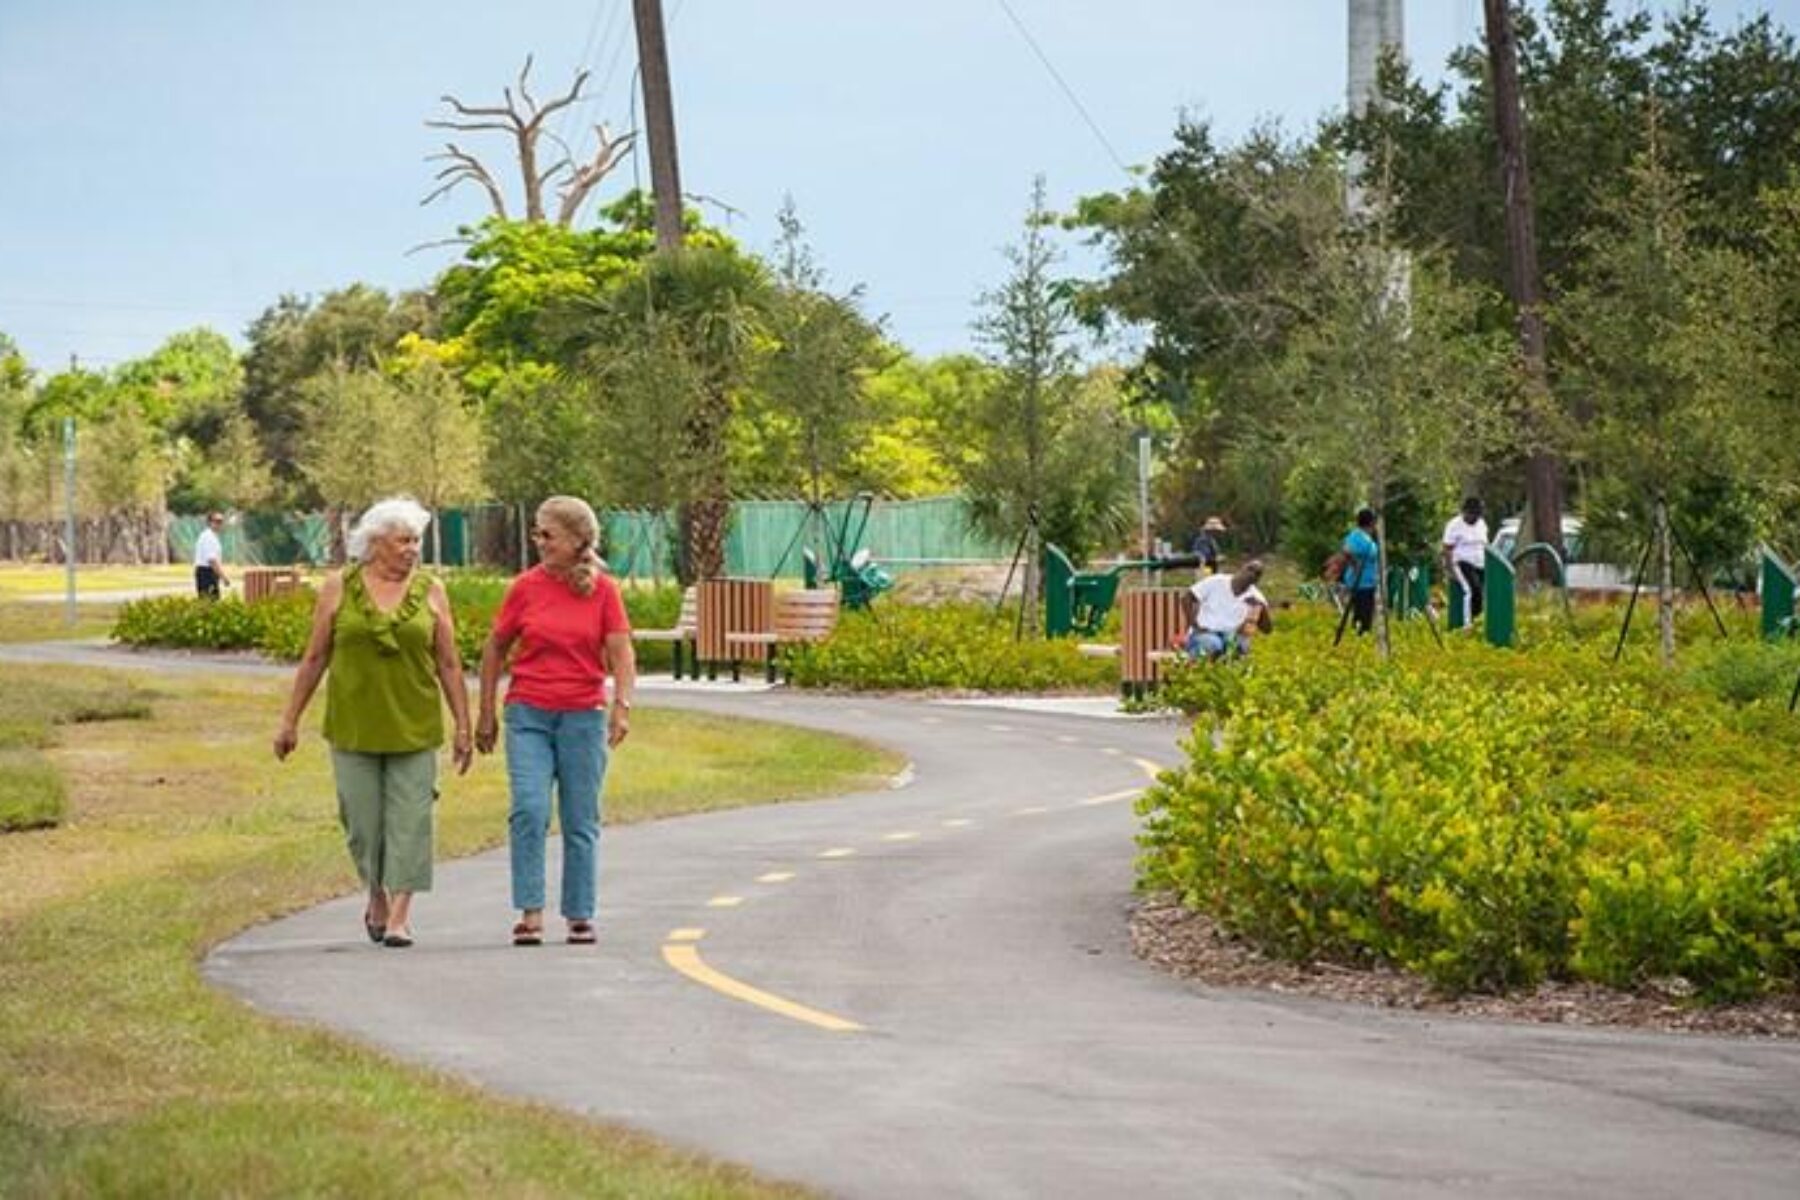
<point x="1362" y="570"/>
<point x="209" y="559"/>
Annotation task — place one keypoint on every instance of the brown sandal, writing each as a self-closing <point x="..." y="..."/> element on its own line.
<point x="581" y="933"/>
<point x="528" y="935"/>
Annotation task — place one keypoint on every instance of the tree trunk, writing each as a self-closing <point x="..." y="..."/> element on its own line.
<point x="1543" y="473"/>
<point x="705" y="520"/>
<point x="1665" y="589"/>
<point x="1383" y="646"/>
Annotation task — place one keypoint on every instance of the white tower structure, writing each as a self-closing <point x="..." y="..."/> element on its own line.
<point x="1376" y="26"/>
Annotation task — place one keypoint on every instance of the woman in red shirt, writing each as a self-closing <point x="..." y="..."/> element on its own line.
<point x="566" y="621"/>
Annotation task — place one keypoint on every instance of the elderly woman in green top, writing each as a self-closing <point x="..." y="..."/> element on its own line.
<point x="382" y="631"/>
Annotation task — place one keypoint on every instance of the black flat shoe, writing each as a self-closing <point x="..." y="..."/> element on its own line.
<point x="398" y="940"/>
<point x="376" y="932"/>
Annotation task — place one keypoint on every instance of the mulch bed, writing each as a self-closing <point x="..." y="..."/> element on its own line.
<point x="1190" y="945"/>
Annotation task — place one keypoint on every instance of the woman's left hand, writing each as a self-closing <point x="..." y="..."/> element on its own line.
<point x="463" y="750"/>
<point x="618" y="725"/>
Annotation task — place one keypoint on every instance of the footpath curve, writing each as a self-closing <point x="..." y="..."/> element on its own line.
<point x="997" y="1036"/>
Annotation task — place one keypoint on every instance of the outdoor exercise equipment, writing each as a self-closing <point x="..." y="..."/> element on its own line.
<point x="1637" y="584"/>
<point x="1077" y="602"/>
<point x="1777" y="596"/>
<point x="853" y="569"/>
<point x="1499" y="594"/>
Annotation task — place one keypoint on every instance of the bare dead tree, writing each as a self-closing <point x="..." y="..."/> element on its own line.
<point x="522" y="117"/>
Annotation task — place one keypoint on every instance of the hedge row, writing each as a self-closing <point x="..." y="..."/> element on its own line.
<point x="1487" y="818"/>
<point x="956" y="647"/>
<point x="278" y="626"/>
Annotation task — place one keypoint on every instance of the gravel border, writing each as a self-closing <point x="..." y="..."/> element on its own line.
<point x="1191" y="946"/>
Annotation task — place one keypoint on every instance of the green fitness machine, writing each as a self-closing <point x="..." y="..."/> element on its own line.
<point x="1778" y="590"/>
<point x="1077" y="602"/>
<point x="858" y="577"/>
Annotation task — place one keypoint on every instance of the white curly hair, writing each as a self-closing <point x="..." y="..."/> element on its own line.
<point x="382" y="518"/>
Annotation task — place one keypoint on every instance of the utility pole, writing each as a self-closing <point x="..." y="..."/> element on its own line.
<point x="659" y="122"/>
<point x="1543" y="473"/>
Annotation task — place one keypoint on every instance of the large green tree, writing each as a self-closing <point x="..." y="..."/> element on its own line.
<point x="1668" y="351"/>
<point x="1049" y="453"/>
<point x="296" y="341"/>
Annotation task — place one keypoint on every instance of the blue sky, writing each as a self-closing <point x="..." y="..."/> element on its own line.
<point x="185" y="162"/>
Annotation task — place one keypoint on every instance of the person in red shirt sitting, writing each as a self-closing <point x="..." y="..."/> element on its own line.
<point x="564" y="623"/>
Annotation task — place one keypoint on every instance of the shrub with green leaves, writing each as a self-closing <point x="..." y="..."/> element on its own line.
<point x="279" y="626"/>
<point x="1486" y="818"/>
<point x="959" y="647"/>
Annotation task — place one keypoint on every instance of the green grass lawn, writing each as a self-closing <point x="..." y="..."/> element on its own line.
<point x="121" y="1073"/>
<point x="31" y="622"/>
<point x="19" y="580"/>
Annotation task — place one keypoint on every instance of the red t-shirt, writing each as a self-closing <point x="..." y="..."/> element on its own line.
<point x="557" y="662"/>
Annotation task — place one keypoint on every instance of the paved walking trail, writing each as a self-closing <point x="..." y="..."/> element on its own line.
<point x="928" y="991"/>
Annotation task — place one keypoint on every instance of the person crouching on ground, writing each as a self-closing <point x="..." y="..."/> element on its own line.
<point x="383" y="635"/>
<point x="1224" y="610"/>
<point x="567" y="618"/>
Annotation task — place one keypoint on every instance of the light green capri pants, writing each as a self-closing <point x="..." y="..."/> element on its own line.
<point x="386" y="803"/>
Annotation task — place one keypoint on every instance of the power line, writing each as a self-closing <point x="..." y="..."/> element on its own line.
<point x="569" y="121"/>
<point x="1067" y="91"/>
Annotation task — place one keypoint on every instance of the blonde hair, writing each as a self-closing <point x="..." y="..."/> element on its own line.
<point x="573" y="516"/>
<point x="382" y="518"/>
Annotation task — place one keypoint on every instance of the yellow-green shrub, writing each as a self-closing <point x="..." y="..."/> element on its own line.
<point x="1486" y="818"/>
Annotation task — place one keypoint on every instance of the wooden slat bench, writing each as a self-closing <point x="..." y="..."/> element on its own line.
<point x="728" y="606"/>
<point x="683" y="633"/>
<point x="1155" y="622"/>
<point x="804" y="616"/>
<point x="263" y="582"/>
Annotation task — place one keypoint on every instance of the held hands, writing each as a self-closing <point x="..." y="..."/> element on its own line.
<point x="487" y="731"/>
<point x="462" y="750"/>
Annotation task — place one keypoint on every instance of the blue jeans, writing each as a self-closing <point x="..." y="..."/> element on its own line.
<point x="1214" y="644"/>
<point x="568" y="749"/>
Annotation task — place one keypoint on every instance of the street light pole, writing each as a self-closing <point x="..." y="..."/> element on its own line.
<point x="69" y="516"/>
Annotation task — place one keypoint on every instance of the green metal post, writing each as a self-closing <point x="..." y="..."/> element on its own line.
<point x="1059" y="574"/>
<point x="1498" y="594"/>
<point x="1777" y="595"/>
<point x="1453" y="593"/>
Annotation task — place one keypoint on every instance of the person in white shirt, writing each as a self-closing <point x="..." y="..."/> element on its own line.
<point x="1225" y="610"/>
<point x="209" y="559"/>
<point x="1465" y="555"/>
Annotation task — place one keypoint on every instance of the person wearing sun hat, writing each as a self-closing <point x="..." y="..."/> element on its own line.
<point x="1206" y="544"/>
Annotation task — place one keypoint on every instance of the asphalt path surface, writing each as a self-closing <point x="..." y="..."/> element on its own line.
<point x="928" y="990"/>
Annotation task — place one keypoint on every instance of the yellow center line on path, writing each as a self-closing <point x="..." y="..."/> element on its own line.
<point x="1109" y="798"/>
<point x="686" y="935"/>
<point x="724" y="902"/>
<point x="901" y="835"/>
<point x="1153" y="770"/>
<point x="957" y="823"/>
<point x="837" y="852"/>
<point x="1030" y="810"/>
<point x="775" y="877"/>
<point x="1068" y="739"/>
<point x="1112" y="750"/>
<point x="685" y="958"/>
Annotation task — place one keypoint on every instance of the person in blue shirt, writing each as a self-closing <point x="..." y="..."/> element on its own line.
<point x="1362" y="573"/>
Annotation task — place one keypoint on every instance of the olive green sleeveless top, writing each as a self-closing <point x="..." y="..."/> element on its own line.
<point x="381" y="692"/>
